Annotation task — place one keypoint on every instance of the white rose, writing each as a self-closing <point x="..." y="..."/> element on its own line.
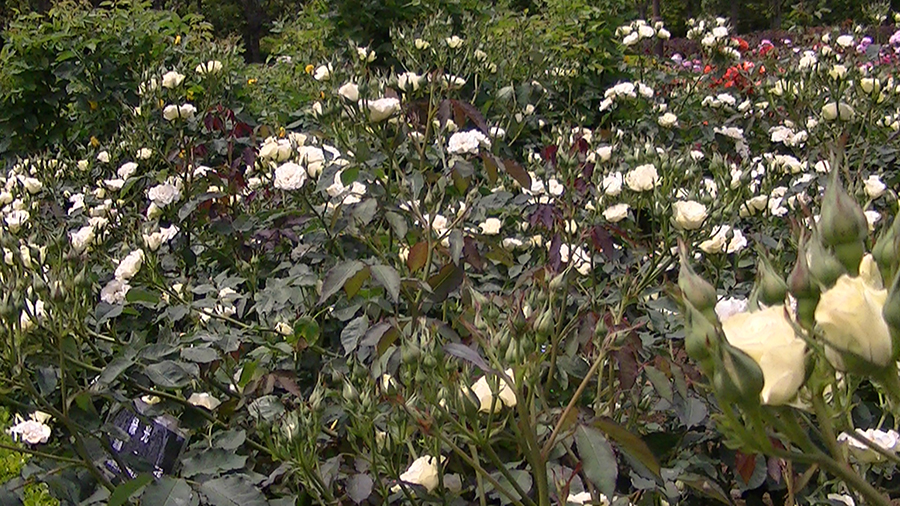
<point x="422" y="45"/>
<point x="849" y="316"/>
<point x="832" y="111"/>
<point x="144" y="153"/>
<point x="103" y="156"/>
<point x="874" y="187"/>
<point x="769" y="339"/>
<point x="322" y="73"/>
<point x="82" y="238"/>
<point x="667" y="120"/>
<point x="114" y="292"/>
<point x="888" y="441"/>
<point x="313" y="158"/>
<point x="382" y="109"/>
<point x="170" y="112"/>
<point x="172" y="79"/>
<point x="604" y="153"/>
<point x="485" y="395"/>
<point x="164" y="194"/>
<point x="83" y="165"/>
<point x="490" y="226"/>
<point x="468" y="141"/>
<point x="454" y="42"/>
<point x="365" y="54"/>
<point x="642" y="178"/>
<point x="276" y="150"/>
<point x="616" y="213"/>
<point x="688" y="214"/>
<point x="203" y="400"/>
<point x="153" y="241"/>
<point x="838" y="72"/>
<point x="612" y="184"/>
<point x="870" y="85"/>
<point x="845" y="40"/>
<point x="31" y="431"/>
<point x="16" y="218"/>
<point x="423" y="471"/>
<point x="210" y="67"/>
<point x="126" y="170"/>
<point x="186" y="111"/>
<point x="349" y="91"/>
<point x="409" y="81"/>
<point x="726" y="308"/>
<point x="130" y="265"/>
<point x="290" y="176"/>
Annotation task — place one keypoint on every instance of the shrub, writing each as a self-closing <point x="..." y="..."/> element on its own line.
<point x="67" y="75"/>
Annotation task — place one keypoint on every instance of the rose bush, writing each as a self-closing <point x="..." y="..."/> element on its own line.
<point x="446" y="273"/>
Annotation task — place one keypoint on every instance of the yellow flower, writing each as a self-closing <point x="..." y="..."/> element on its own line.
<point x="322" y="95"/>
<point x="281" y="133"/>
<point x="92" y="104"/>
<point x="94" y="142"/>
<point x="177" y="39"/>
<point x="190" y="95"/>
<point x="251" y="81"/>
<point x="309" y="68"/>
<point x="161" y="103"/>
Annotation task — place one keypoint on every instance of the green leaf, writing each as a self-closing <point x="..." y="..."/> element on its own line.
<point x="212" y="461"/>
<point x="364" y="212"/>
<point x="387" y="277"/>
<point x="359" y="487"/>
<point x="445" y="281"/>
<point x="114" y="369"/>
<point x="235" y="490"/>
<point x="169" y="374"/>
<point x="597" y="459"/>
<point x="398" y="224"/>
<point x="307" y="329"/>
<point x="522" y="478"/>
<point x="169" y="492"/>
<point x="124" y="491"/>
<point x="337" y="276"/>
<point x="629" y="443"/>
<point x="142" y="295"/>
<point x="353" y="332"/>
<point x="201" y="355"/>
<point x="660" y="382"/>
<point x="352" y="285"/>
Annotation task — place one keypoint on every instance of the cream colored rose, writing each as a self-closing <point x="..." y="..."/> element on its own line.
<point x="832" y="111"/>
<point x="490" y="226"/>
<point x="204" y="400"/>
<point x="423" y="471"/>
<point x="172" y="79"/>
<point x="616" y="213"/>
<point x="485" y="395"/>
<point x="769" y="339"/>
<point x="642" y="178"/>
<point x="849" y="316"/>
<point x="349" y="91"/>
<point x="688" y="214"/>
<point x="382" y="109"/>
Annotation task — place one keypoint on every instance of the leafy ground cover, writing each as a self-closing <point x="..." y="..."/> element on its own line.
<point x="474" y="275"/>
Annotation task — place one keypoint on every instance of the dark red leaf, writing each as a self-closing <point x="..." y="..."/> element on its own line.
<point x="462" y="110"/>
<point x="744" y="465"/>
<point x="470" y="252"/>
<point x="549" y="154"/>
<point x="555" y="257"/>
<point x="518" y="173"/>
